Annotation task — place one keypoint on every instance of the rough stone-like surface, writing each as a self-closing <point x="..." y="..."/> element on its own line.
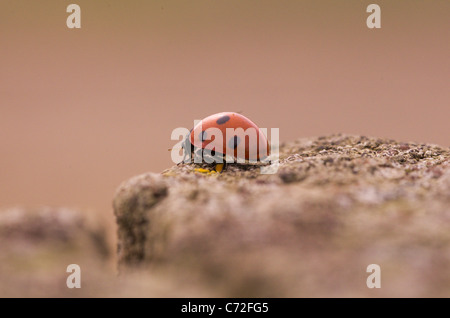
<point x="336" y="205"/>
<point x="37" y="245"/>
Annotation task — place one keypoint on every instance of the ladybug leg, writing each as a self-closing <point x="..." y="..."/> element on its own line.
<point x="188" y="150"/>
<point x="220" y="167"/>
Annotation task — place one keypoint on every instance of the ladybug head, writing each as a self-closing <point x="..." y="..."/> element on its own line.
<point x="188" y="148"/>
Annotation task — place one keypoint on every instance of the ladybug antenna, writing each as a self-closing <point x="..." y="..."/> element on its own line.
<point x="240" y="111"/>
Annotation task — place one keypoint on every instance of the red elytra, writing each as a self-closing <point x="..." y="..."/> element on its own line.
<point x="240" y="129"/>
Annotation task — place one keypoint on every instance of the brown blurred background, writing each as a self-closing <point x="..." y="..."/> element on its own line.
<point x="82" y="110"/>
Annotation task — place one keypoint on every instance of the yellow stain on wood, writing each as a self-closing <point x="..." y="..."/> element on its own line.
<point x="201" y="170"/>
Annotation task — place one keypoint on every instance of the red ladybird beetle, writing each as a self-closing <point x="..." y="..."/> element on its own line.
<point x="225" y="137"/>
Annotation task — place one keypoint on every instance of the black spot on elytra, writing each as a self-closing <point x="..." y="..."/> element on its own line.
<point x="223" y="120"/>
<point x="202" y="136"/>
<point x="234" y="142"/>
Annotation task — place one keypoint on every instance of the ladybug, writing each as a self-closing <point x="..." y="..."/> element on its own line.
<point x="225" y="137"/>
